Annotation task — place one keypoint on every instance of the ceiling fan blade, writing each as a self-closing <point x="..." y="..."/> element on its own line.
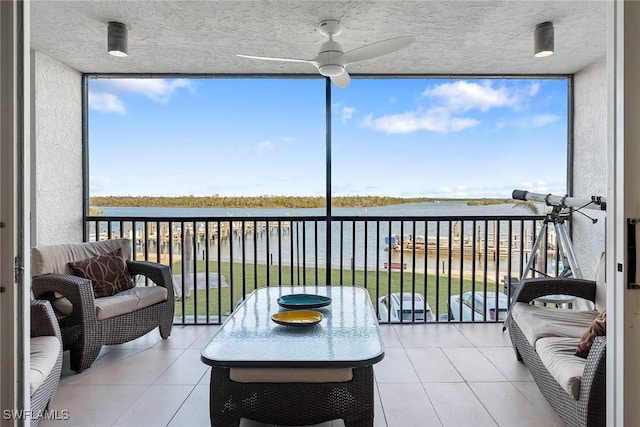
<point x="268" y="58"/>
<point x="376" y="49"/>
<point x="341" y="80"/>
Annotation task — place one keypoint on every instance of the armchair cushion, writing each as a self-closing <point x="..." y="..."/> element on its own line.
<point x="129" y="301"/>
<point x="44" y="354"/>
<point x="123" y="302"/>
<point x="108" y="273"/>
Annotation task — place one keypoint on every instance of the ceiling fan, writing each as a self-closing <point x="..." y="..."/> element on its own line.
<point x="332" y="61"/>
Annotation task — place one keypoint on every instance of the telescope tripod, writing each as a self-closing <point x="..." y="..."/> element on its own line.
<point x="564" y="245"/>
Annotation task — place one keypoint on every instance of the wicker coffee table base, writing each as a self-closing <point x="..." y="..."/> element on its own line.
<point x="292" y="404"/>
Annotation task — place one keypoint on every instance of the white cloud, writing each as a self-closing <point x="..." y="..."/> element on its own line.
<point x="536" y="187"/>
<point x="452" y="100"/>
<point x="99" y="185"/>
<point x="458" y="124"/>
<point x="464" y="96"/>
<point x="435" y="120"/>
<point x="106" y="103"/>
<point x="472" y="190"/>
<point x="263" y="146"/>
<point x="534" y="89"/>
<point x="535" y="121"/>
<point x="103" y="96"/>
<point x="160" y="90"/>
<point x="544" y="119"/>
<point x="347" y="113"/>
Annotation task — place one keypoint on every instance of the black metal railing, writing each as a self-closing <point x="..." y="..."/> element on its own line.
<point x="450" y="268"/>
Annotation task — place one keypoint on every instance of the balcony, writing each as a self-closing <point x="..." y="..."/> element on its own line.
<point x="432" y="375"/>
<point x="52" y="69"/>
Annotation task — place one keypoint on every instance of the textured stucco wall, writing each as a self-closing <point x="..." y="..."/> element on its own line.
<point x="590" y="161"/>
<point x="57" y="152"/>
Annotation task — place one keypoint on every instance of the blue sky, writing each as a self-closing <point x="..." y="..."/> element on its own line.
<point x="390" y="137"/>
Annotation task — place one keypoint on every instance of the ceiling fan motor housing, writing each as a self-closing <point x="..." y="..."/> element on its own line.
<point x="329" y="70"/>
<point x="329" y="59"/>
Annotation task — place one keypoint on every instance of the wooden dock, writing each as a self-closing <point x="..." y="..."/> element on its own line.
<point x="467" y="247"/>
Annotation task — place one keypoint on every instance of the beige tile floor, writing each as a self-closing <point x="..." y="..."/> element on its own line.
<point x="432" y="375"/>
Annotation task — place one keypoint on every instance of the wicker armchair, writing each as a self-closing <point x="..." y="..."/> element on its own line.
<point x="87" y="323"/>
<point x="46" y="357"/>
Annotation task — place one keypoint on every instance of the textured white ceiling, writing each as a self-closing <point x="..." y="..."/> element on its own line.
<point x="203" y="37"/>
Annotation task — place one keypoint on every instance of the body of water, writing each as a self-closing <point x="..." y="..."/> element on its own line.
<point x="303" y="243"/>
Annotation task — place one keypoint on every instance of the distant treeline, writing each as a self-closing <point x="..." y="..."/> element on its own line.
<point x="265" y="201"/>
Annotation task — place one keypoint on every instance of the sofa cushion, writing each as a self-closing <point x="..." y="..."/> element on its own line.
<point x="123" y="302"/>
<point x="55" y="259"/>
<point x="44" y="354"/>
<point x="537" y="322"/>
<point x="129" y="300"/>
<point x="558" y="356"/>
<point x="290" y="375"/>
<point x="108" y="273"/>
<point x="597" y="328"/>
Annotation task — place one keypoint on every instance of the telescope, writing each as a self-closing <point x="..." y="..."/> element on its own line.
<point x="560" y="226"/>
<point x="596" y="202"/>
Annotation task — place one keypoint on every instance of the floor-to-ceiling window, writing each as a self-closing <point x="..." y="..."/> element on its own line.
<point x="222" y="138"/>
<point x="447" y="138"/>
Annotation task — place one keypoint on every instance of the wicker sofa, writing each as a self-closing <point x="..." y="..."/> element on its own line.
<point x="87" y="322"/>
<point x="545" y="339"/>
<point x="46" y="358"/>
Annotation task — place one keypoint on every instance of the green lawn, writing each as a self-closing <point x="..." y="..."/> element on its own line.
<point x="221" y="300"/>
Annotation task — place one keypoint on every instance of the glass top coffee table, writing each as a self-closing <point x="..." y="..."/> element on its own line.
<point x="295" y="375"/>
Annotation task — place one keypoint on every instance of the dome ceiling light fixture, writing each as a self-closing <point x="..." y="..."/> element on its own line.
<point x="117" y="39"/>
<point x="543" y="40"/>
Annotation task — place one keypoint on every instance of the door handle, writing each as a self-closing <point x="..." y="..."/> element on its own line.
<point x="632" y="253"/>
